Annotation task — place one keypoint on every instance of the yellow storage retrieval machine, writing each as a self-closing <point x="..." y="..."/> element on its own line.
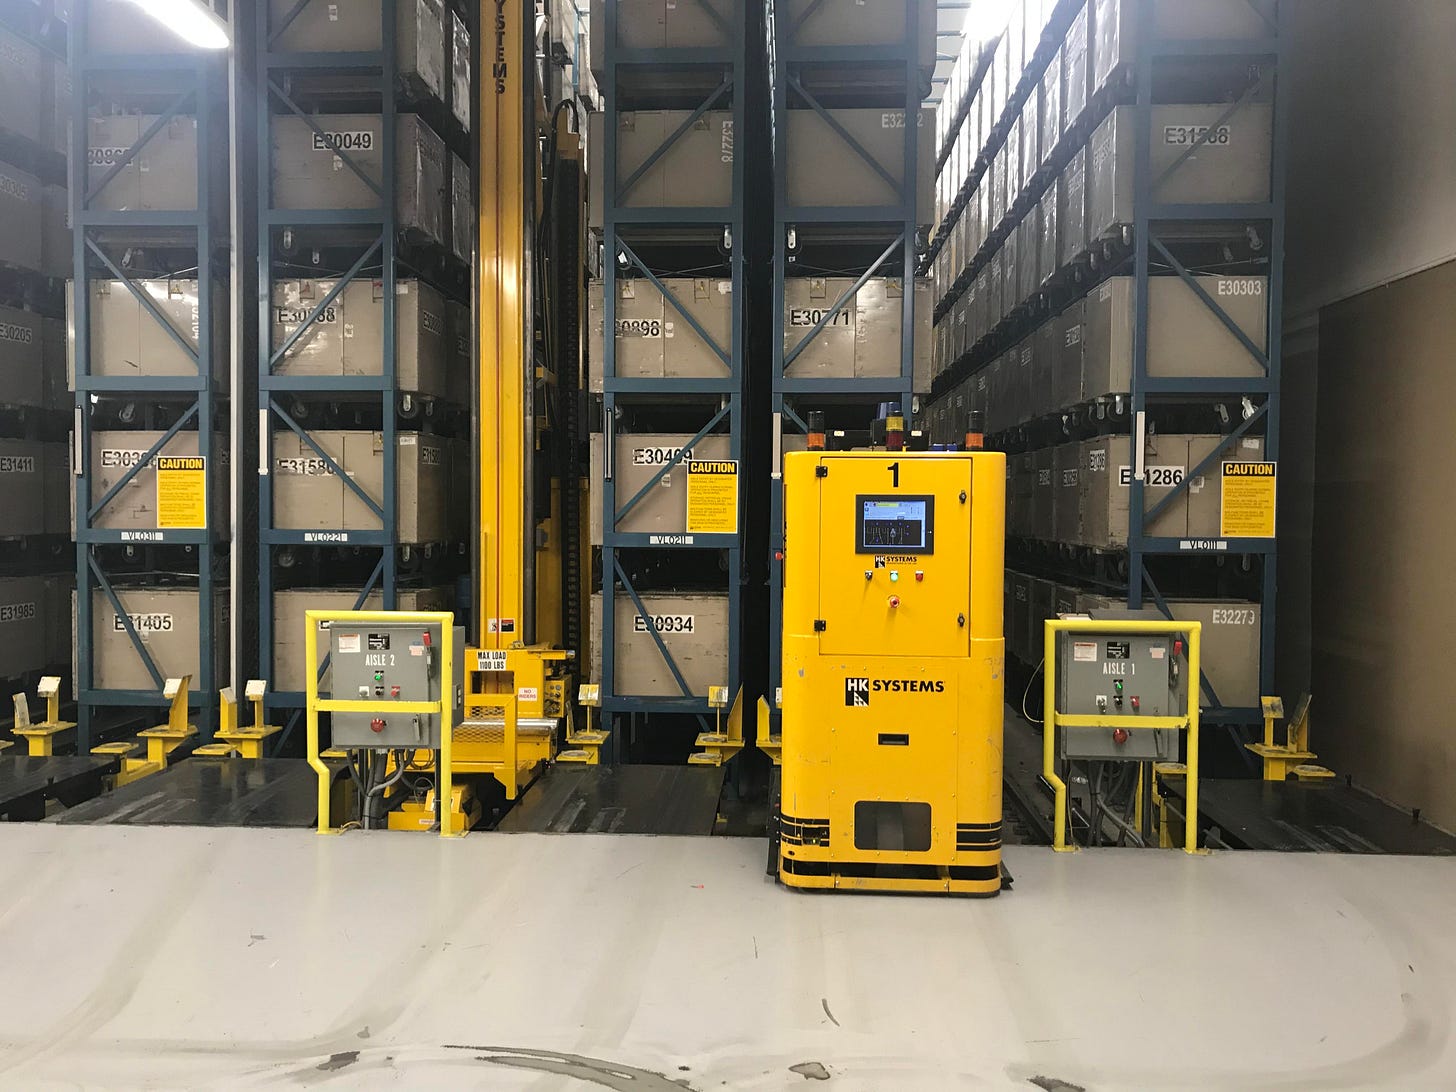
<point x="892" y="671"/>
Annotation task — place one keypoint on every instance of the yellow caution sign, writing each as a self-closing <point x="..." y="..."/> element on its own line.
<point x="712" y="497"/>
<point x="1250" y="494"/>
<point x="181" y="492"/>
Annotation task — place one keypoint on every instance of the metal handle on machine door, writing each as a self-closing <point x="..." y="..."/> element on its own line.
<point x="1175" y="669"/>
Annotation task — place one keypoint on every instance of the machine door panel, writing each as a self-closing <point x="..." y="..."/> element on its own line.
<point x="895" y="564"/>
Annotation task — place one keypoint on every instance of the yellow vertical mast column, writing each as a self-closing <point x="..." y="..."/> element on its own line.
<point x="516" y="692"/>
<point x="505" y="612"/>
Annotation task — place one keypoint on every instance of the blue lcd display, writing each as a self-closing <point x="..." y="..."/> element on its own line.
<point x="895" y="524"/>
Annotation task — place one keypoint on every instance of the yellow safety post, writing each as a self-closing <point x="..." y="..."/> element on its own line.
<point x="246" y="740"/>
<point x="1052" y="720"/>
<point x="719" y="746"/>
<point x="1293" y="756"/>
<point x="40" y="739"/>
<point x="160" y="741"/>
<point x="773" y="746"/>
<point x="1160" y="800"/>
<point x="585" y="746"/>
<point x="444" y="708"/>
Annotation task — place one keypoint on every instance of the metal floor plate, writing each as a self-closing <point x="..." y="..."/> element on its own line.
<point x="1313" y="817"/>
<point x="620" y="800"/>
<point x="211" y="792"/>
<point x="26" y="783"/>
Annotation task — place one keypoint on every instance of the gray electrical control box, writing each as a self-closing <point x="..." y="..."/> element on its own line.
<point x="1121" y="675"/>
<point x="387" y="662"/>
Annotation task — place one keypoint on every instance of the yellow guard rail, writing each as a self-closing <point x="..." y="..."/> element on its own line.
<point x="445" y="707"/>
<point x="1052" y="720"/>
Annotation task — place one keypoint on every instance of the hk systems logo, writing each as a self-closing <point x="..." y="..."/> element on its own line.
<point x="857" y="691"/>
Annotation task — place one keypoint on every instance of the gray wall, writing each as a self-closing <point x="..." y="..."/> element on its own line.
<point x="1372" y="169"/>
<point x="1384" y="574"/>
<point x="1365" y="572"/>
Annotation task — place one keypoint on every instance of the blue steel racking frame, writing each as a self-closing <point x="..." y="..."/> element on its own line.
<point x="1146" y="241"/>
<point x="367" y="65"/>
<point x="195" y="79"/>
<point x="900" y="220"/>
<point x="731" y="58"/>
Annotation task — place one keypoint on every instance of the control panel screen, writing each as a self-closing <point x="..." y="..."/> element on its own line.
<point x="896" y="524"/>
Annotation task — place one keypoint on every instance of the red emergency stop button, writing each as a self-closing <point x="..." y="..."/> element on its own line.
<point x="894" y="601"/>
<point x="1119" y="736"/>
<point x="394" y="691"/>
<point x="377" y="724"/>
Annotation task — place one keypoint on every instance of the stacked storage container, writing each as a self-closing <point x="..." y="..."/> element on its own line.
<point x="35" y="573"/>
<point x="146" y="354"/>
<point x="854" y="193"/>
<point x="666" y="360"/>
<point x="1081" y="301"/>
<point x="364" y="369"/>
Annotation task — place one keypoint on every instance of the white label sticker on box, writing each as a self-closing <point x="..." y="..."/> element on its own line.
<point x="342" y="140"/>
<point x="658" y="456"/>
<point x="144" y="623"/>
<point x="1154" y="477"/>
<point x="348" y="642"/>
<point x="639" y="327"/>
<point x="1084" y="652"/>
<point x="490" y="660"/>
<point x="665" y="623"/>
<point x="1203" y="135"/>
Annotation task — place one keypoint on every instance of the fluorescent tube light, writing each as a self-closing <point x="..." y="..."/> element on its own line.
<point x="191" y="20"/>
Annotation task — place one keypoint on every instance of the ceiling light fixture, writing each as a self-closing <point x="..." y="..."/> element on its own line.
<point x="986" y="19"/>
<point x="191" y="20"/>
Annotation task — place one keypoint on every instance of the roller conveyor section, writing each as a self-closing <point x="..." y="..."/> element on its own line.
<point x="28" y="783"/>
<point x="208" y="792"/>
<point x="620" y="800"/>
<point x="1310" y="817"/>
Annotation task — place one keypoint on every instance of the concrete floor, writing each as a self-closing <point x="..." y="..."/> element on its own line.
<point x="244" y="958"/>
